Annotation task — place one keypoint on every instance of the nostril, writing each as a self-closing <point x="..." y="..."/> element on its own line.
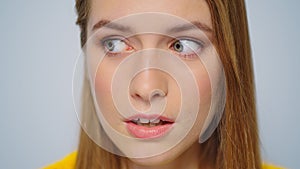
<point x="140" y="102"/>
<point x="136" y="96"/>
<point x="157" y="93"/>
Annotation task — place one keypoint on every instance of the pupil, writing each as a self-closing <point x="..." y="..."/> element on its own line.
<point x="178" y="47"/>
<point x="110" y="45"/>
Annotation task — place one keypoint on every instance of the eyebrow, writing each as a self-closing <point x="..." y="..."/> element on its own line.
<point x="180" y="28"/>
<point x="111" y="25"/>
<point x="192" y="25"/>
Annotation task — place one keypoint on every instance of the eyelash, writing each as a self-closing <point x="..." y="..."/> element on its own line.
<point x="193" y="52"/>
<point x="105" y="42"/>
<point x="189" y="56"/>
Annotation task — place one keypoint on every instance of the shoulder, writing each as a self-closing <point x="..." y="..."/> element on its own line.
<point x="269" y="166"/>
<point x="67" y="162"/>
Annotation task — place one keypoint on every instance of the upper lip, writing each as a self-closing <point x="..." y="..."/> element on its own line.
<point x="150" y="117"/>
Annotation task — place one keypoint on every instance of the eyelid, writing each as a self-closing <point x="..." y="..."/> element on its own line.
<point x="188" y="56"/>
<point x="114" y="37"/>
<point x="199" y="42"/>
<point x="188" y="38"/>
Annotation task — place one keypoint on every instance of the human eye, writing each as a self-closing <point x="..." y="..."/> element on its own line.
<point x="187" y="48"/>
<point x="114" y="46"/>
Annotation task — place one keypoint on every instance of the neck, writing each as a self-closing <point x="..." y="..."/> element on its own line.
<point x="192" y="158"/>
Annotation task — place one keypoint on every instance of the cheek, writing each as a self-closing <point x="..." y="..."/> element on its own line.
<point x="205" y="91"/>
<point x="102" y="86"/>
<point x="204" y="86"/>
<point x="103" y="82"/>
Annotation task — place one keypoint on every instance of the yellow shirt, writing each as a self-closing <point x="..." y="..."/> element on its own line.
<point x="69" y="163"/>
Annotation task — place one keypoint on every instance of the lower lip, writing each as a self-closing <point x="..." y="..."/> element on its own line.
<point x="148" y="132"/>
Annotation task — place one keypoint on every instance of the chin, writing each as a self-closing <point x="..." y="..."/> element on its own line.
<point x="157" y="160"/>
<point x="189" y="146"/>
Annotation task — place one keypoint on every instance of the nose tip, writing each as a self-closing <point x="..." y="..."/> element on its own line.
<point x="148" y="86"/>
<point x="143" y="95"/>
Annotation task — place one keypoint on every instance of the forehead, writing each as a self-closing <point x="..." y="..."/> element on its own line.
<point x="190" y="10"/>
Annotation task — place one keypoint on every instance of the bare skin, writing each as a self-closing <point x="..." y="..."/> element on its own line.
<point x="187" y="154"/>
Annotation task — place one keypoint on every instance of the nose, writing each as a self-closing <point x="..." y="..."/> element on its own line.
<point x="147" y="86"/>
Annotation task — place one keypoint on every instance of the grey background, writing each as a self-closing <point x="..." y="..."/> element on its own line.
<point x="39" y="43"/>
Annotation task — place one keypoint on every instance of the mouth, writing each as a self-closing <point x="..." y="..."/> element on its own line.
<point x="148" y="126"/>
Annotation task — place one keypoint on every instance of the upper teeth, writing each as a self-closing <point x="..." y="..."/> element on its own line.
<point x="142" y="120"/>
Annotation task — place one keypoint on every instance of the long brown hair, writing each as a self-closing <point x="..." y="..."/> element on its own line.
<point x="235" y="140"/>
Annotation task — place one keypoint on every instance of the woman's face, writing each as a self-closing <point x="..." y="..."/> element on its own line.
<point x="146" y="126"/>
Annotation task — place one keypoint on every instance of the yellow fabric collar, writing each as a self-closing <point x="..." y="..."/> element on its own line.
<point x="68" y="162"/>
